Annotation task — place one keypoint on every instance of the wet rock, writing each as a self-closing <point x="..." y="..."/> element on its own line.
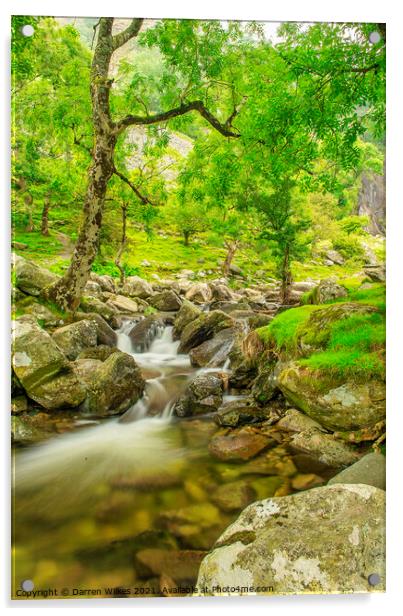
<point x="265" y="487"/>
<point x="276" y="461"/>
<point x="306" y="481"/>
<point x="188" y="312"/>
<point x="42" y="369"/>
<point x="265" y="387"/>
<point x="203" y="328"/>
<point x="238" y="412"/>
<point x="200" y="293"/>
<point x="72" y="339"/>
<point x="24" y="432"/>
<point x="376" y="273"/>
<point x="325" y="447"/>
<point x="199" y="516"/>
<point x="19" y="404"/>
<point x="295" y="421"/>
<point x="337" y="404"/>
<point x="124" y="305"/>
<point x="233" y="496"/>
<point x="166" y="301"/>
<point x="147" y="481"/>
<point x="30" y="277"/>
<point x="325" y="540"/>
<point x="202" y="395"/>
<point x="100" y="352"/>
<point x="95" y="305"/>
<point x="135" y="286"/>
<point x="238" y="445"/>
<point x="182" y="565"/>
<point x="327" y="291"/>
<point x="144" y="332"/>
<point x="105" y="334"/>
<point x="214" y="352"/>
<point x="370" y="470"/>
<point x="114" y="386"/>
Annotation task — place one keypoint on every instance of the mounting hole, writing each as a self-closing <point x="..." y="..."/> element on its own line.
<point x="28" y="30"/>
<point x="374" y="579"/>
<point x="374" y="37"/>
<point x="27" y="585"/>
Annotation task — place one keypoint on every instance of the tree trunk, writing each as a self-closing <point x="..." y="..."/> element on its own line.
<point x="28" y="200"/>
<point x="286" y="277"/>
<point x="186" y="235"/>
<point x="231" y="250"/>
<point x="122" y="243"/>
<point x="45" y="216"/>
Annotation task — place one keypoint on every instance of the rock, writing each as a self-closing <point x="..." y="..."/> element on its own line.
<point x="93" y="304"/>
<point x="135" y="286"/>
<point x="233" y="496"/>
<point x="92" y="289"/>
<point x="188" y="312"/>
<point x="43" y="315"/>
<point x="327" y="291"/>
<point x="234" y="269"/>
<point x="334" y="257"/>
<point x="123" y="304"/>
<point x="326" y="540"/>
<point x="100" y="352"/>
<point x="166" y="301"/>
<point x="182" y="565"/>
<point x="144" y="332"/>
<point x="203" y="328"/>
<point x="229" y="307"/>
<point x="221" y="293"/>
<point x="337" y="404"/>
<point x="105" y="334"/>
<point x="276" y="461"/>
<point x="306" y="481"/>
<point x="19" y="245"/>
<point x="265" y="386"/>
<point x="185" y="521"/>
<point x="24" y="432"/>
<point x="238" y="445"/>
<point x="237" y="412"/>
<point x="324" y="447"/>
<point x="376" y="273"/>
<point x="214" y="352"/>
<point x="30" y="277"/>
<point x="19" y="404"/>
<point x="295" y="421"/>
<point x="106" y="282"/>
<point x="202" y="395"/>
<point x="199" y="293"/>
<point x="114" y="386"/>
<point x="370" y="470"/>
<point x="42" y="369"/>
<point x="72" y="339"/>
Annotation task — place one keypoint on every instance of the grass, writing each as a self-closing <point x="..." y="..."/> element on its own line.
<point x="283" y="330"/>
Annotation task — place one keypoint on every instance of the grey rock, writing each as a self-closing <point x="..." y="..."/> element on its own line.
<point x="371" y="470"/>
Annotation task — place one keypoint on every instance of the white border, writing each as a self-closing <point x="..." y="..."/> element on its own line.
<point x="293" y="10"/>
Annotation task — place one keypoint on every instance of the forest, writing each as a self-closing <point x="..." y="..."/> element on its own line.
<point x="198" y="298"/>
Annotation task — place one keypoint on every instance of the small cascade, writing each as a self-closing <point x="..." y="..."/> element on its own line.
<point x="123" y="341"/>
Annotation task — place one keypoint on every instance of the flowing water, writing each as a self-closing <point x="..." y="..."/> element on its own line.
<point x="86" y="500"/>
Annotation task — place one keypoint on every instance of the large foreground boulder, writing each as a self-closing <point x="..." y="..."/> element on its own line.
<point x="113" y="386"/>
<point x="203" y="328"/>
<point x="325" y="540"/>
<point x="42" y="369"/>
<point x="337" y="404"/>
<point x="30" y="277"/>
<point x="72" y="339"/>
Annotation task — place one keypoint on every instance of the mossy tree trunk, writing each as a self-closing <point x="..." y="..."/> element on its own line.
<point x="231" y="247"/>
<point x="45" y="216"/>
<point x="123" y="243"/>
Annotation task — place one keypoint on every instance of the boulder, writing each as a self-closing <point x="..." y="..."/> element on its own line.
<point x="238" y="412"/>
<point x="213" y="352"/>
<point x="199" y="293"/>
<point x="203" y="328"/>
<point x="334" y="257"/>
<point x="325" y="448"/>
<point x="370" y="470"/>
<point x="221" y="293"/>
<point x="234" y="495"/>
<point x="124" y="305"/>
<point x="144" y="332"/>
<point x="337" y="404"/>
<point x="72" y="339"/>
<point x="100" y="352"/>
<point x="107" y="283"/>
<point x="202" y="395"/>
<point x="182" y="565"/>
<point x="19" y="404"/>
<point x="376" y="273"/>
<point x="43" y="315"/>
<point x="229" y="307"/>
<point x="30" y="277"/>
<point x="42" y="369"/>
<point x="93" y="304"/>
<point x="114" y="386"/>
<point x="188" y="312"/>
<point x="295" y="421"/>
<point x="327" y="291"/>
<point x="92" y="289"/>
<point x="166" y="301"/>
<point x="325" y="540"/>
<point x="135" y="286"/>
<point x="238" y="445"/>
<point x="105" y="334"/>
<point x="265" y="386"/>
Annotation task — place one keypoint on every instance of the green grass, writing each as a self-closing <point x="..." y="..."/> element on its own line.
<point x="283" y="330"/>
<point x="351" y="363"/>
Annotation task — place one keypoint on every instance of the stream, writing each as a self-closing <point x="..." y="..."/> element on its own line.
<point x="86" y="500"/>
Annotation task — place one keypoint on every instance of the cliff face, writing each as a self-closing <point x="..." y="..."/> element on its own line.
<point x="372" y="202"/>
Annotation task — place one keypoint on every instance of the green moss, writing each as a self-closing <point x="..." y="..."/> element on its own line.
<point x="352" y="363"/>
<point x="282" y="331"/>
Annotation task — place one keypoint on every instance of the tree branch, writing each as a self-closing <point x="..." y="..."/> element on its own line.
<point x="143" y="199"/>
<point x="131" y="31"/>
<point x="223" y="128"/>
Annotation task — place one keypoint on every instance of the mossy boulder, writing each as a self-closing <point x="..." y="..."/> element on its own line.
<point x="200" y="293"/>
<point x="325" y="448"/>
<point x="325" y="540"/>
<point x="105" y="333"/>
<point x="30" y="277"/>
<point x="337" y="403"/>
<point x="204" y="328"/>
<point x="73" y="338"/>
<point x="188" y="312"/>
<point x="143" y="333"/>
<point x="214" y="352"/>
<point x="135" y="286"/>
<point x="326" y="291"/>
<point x="114" y="386"/>
<point x="202" y="395"/>
<point x="166" y="301"/>
<point x="94" y="304"/>
<point x="42" y="369"/>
